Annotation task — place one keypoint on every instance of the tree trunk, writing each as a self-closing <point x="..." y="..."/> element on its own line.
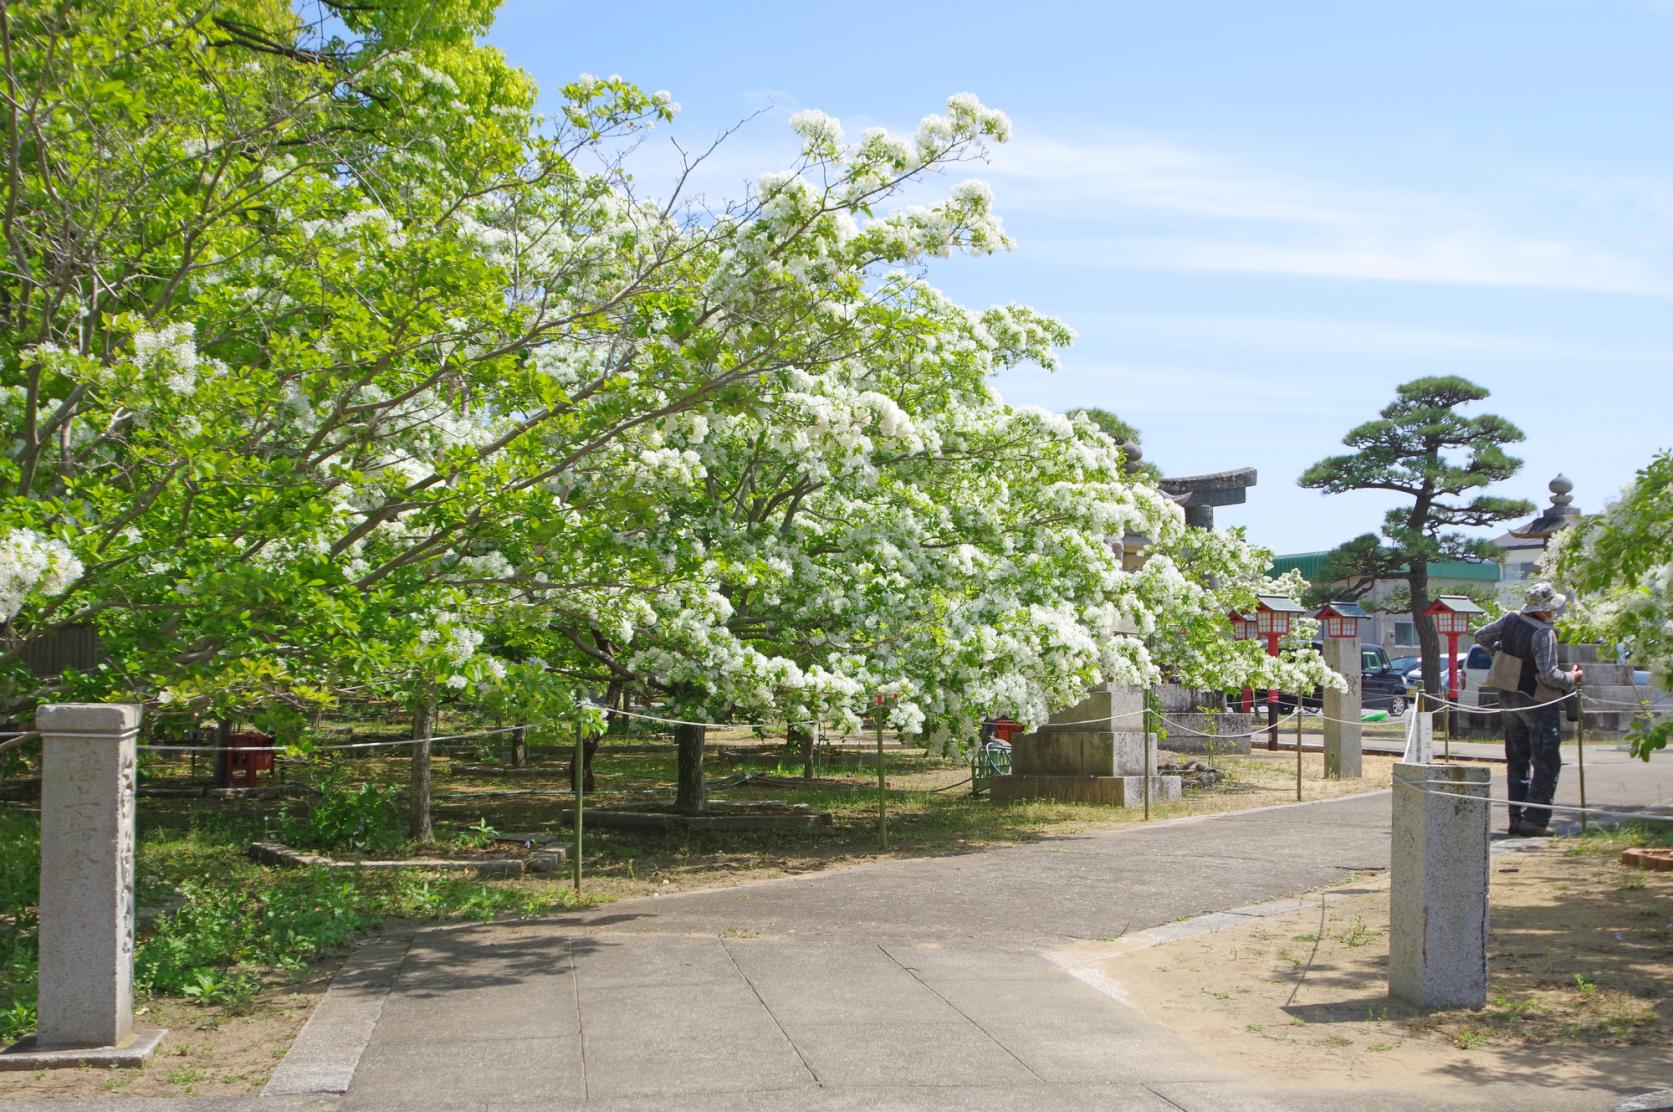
<point x="801" y="743"/>
<point x="519" y="747"/>
<point x="588" y="748"/>
<point x="614" y="696"/>
<point x="692" y="795"/>
<point x="1428" y="641"/>
<point x="423" y="726"/>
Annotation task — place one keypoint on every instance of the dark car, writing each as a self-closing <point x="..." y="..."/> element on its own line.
<point x="1381" y="685"/>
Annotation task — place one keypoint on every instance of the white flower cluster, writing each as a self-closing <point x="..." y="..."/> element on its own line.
<point x="33" y="566"/>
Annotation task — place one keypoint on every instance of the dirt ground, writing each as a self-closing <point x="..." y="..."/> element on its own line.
<point x="210" y="1050"/>
<point x="1580" y="993"/>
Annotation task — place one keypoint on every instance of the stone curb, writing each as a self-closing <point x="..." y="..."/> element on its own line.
<point x="544" y="860"/>
<point x="327" y="1050"/>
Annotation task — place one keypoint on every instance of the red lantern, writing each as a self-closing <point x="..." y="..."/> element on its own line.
<point x="1340" y="619"/>
<point x="1451" y="615"/>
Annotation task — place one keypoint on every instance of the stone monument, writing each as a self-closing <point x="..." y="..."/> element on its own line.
<point x="1438" y="872"/>
<point x="86" y="980"/>
<point x="1095" y="752"/>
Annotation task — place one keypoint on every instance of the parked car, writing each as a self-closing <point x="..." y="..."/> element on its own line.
<point x="1404" y="664"/>
<point x="1382" y="687"/>
<point x="1473" y="666"/>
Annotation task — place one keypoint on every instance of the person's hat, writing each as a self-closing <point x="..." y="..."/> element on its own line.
<point x="1542" y="597"/>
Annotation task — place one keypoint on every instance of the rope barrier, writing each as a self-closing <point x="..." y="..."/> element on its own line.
<point x="329" y="748"/>
<point x="16" y="739"/>
<point x="1660" y="701"/>
<point x="685" y="722"/>
<point x="1654" y="816"/>
<point x="1473" y="709"/>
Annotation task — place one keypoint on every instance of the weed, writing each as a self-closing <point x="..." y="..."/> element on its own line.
<point x="1469" y="1039"/>
<point x="1585" y="985"/>
<point x="1380" y="1047"/>
<point x="1255" y="1027"/>
<point x="1304" y="938"/>
<point x="1338" y="1040"/>
<point x="1355" y="936"/>
<point x="185" y="1075"/>
<point x="477" y="835"/>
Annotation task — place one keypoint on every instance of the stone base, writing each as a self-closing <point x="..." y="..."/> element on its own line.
<point x="1107" y="791"/>
<point x="132" y="1054"/>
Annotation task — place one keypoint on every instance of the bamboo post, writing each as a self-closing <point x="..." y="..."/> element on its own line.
<point x="1298" y="720"/>
<point x="1147" y="769"/>
<point x="1580" y="750"/>
<point x="578" y="778"/>
<point x="882" y="787"/>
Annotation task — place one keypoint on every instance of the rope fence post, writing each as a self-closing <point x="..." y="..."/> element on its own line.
<point x="1580" y="749"/>
<point x="579" y="779"/>
<point x="1145" y="721"/>
<point x="882" y="784"/>
<point x="1298" y="719"/>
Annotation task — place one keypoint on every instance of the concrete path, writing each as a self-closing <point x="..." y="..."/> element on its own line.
<point x="905" y="985"/>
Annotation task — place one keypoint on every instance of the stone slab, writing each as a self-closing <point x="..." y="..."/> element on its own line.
<point x="132" y="1054"/>
<point x="1109" y="791"/>
<point x="276" y="853"/>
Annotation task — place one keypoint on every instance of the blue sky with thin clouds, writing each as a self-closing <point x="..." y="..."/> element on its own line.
<point x="1259" y="218"/>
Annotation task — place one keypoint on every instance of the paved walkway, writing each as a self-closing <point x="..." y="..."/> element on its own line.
<point x="922" y="984"/>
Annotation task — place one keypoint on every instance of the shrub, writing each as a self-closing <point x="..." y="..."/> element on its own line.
<point x="362" y="817"/>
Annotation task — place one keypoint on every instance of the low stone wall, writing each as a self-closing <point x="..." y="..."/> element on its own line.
<point x="1230" y="732"/>
<point x="1190" y="712"/>
<point x="547" y="858"/>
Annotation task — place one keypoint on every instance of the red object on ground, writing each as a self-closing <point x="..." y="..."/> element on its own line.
<point x="1004" y="730"/>
<point x="1656" y="860"/>
<point x="244" y="766"/>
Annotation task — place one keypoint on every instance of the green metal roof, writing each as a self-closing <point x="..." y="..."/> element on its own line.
<point x="1311" y="566"/>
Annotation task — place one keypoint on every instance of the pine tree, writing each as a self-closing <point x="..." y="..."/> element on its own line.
<point x="1424" y="449"/>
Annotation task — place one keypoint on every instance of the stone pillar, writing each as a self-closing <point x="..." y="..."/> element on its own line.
<point x="1343" y="749"/>
<point x="1437" y="932"/>
<point x="87" y="877"/>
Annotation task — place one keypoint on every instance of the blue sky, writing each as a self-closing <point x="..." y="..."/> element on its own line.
<point x="1259" y="218"/>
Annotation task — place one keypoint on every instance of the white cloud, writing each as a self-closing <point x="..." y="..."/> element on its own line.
<point x="1204" y="211"/>
<point x="1360" y="338"/>
<point x="1460" y="258"/>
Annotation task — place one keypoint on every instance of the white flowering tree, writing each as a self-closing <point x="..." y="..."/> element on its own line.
<point x="301" y="357"/>
<point x="331" y="369"/>
<point x="1620" y="564"/>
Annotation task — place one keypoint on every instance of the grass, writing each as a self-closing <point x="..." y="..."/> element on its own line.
<point x="235" y="927"/>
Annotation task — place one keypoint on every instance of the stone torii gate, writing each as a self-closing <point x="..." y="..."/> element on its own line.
<point x="1199" y="494"/>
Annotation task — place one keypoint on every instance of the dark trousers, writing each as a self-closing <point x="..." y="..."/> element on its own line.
<point x="1533" y="758"/>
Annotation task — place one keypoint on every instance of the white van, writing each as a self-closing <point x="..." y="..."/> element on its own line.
<point x="1473" y="666"/>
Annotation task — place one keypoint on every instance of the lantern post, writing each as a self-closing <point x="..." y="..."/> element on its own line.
<point x="1273" y="614"/>
<point x="1243" y="629"/>
<point x="1452" y="615"/>
<point x="1343" y="744"/>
